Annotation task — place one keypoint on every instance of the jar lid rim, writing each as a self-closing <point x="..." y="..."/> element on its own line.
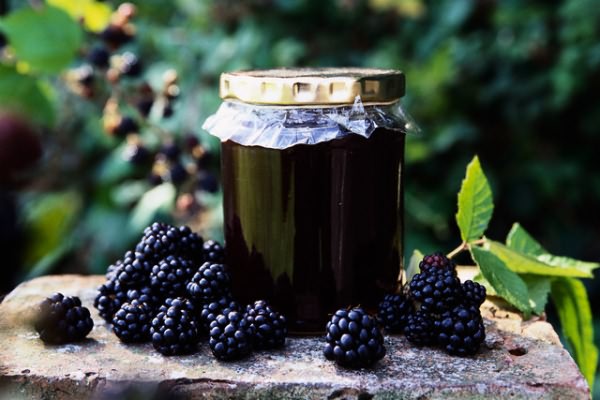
<point x="313" y="86"/>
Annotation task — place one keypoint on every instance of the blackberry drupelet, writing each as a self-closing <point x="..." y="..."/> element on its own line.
<point x="437" y="290"/>
<point x="169" y="276"/>
<point x="174" y="332"/>
<point x="211" y="282"/>
<point x="231" y="336"/>
<point x="353" y="339"/>
<point x="419" y="329"/>
<point x="210" y="311"/>
<point x="145" y="294"/>
<point x="474" y="293"/>
<point x="436" y="261"/>
<point x="270" y="327"/>
<point x="461" y="331"/>
<point x="62" y="319"/>
<point x="131" y="322"/>
<point x="109" y="299"/>
<point x="183" y="304"/>
<point x="213" y="252"/>
<point x="393" y="312"/>
<point x="161" y="240"/>
<point x="134" y="270"/>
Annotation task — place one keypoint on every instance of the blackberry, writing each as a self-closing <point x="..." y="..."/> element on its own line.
<point x="146" y="295"/>
<point x="131" y="322"/>
<point x="169" y="276"/>
<point x="393" y="312"/>
<point x="126" y="126"/>
<point x="130" y="65"/>
<point x="161" y="240"/>
<point x="99" y="57"/>
<point x="180" y="303"/>
<point x="177" y="173"/>
<point x="231" y="336"/>
<point x="461" y="330"/>
<point x="419" y="329"/>
<point x="270" y="327"/>
<point x="213" y="252"/>
<point x="115" y="36"/>
<point x="209" y="283"/>
<point x="109" y="299"/>
<point x="171" y="151"/>
<point x="474" y="293"/>
<point x="174" y="332"/>
<point x="436" y="261"/>
<point x="144" y="106"/>
<point x="207" y="182"/>
<point x="437" y="290"/>
<point x="210" y="311"/>
<point x="353" y="339"/>
<point x="137" y="154"/>
<point x="62" y="319"/>
<point x="133" y="270"/>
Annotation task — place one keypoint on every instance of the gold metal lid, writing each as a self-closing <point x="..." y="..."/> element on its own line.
<point x="313" y="86"/>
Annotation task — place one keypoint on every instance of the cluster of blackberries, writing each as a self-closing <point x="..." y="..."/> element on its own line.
<point x="173" y="289"/>
<point x="437" y="309"/>
<point x="60" y="319"/>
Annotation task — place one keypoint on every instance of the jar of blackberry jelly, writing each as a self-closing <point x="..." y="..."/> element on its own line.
<point x="312" y="163"/>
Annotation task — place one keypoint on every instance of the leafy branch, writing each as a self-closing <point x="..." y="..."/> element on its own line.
<point x="523" y="272"/>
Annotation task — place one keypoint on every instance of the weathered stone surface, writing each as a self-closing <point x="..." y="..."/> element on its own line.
<point x="521" y="360"/>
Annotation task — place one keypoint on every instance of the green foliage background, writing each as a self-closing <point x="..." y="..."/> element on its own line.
<point x="517" y="82"/>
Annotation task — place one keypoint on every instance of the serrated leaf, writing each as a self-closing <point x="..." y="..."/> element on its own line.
<point x="413" y="265"/>
<point x="574" y="312"/>
<point x="520" y="240"/>
<point x="524" y="264"/>
<point x="25" y="95"/>
<point x="564" y="262"/>
<point x="475" y="203"/>
<point x="95" y="15"/>
<point x="505" y="282"/>
<point x="538" y="288"/>
<point x="47" y="39"/>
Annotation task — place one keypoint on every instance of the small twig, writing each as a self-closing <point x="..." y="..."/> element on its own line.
<point x="463" y="246"/>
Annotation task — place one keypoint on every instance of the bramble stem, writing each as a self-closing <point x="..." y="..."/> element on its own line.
<point x="465" y="246"/>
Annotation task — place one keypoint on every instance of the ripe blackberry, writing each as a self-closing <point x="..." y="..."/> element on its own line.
<point x="209" y="283"/>
<point x="270" y="327"/>
<point x="99" y="57"/>
<point x="419" y="329"/>
<point x="109" y="299"/>
<point x="130" y="65"/>
<point x="461" y="331"/>
<point x="136" y="154"/>
<point x="169" y="276"/>
<point x="353" y="339"/>
<point x="171" y="151"/>
<point x="436" y="261"/>
<point x="131" y="322"/>
<point x="474" y="293"/>
<point x="213" y="252"/>
<point x="181" y="303"/>
<point x="174" y="332"/>
<point x="115" y="36"/>
<point x="126" y="126"/>
<point x="133" y="271"/>
<point x="161" y="240"/>
<point x="145" y="294"/>
<point x="393" y="312"/>
<point x="62" y="319"/>
<point x="437" y="290"/>
<point x="210" y="311"/>
<point x="231" y="336"/>
<point x="177" y="173"/>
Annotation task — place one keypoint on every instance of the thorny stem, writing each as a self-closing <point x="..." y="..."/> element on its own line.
<point x="465" y="246"/>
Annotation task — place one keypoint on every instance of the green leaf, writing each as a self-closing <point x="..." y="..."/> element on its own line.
<point x="25" y="95"/>
<point x="413" y="265"/>
<point x="475" y="203"/>
<point x="46" y="39"/>
<point x="566" y="262"/>
<point x="156" y="204"/>
<point x="524" y="264"/>
<point x="571" y="301"/>
<point x="520" y="240"/>
<point x="538" y="288"/>
<point x="48" y="221"/>
<point x="506" y="283"/>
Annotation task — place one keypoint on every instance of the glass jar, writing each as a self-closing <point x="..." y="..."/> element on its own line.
<point x="312" y="163"/>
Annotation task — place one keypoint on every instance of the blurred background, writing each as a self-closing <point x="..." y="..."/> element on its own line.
<point x="101" y="107"/>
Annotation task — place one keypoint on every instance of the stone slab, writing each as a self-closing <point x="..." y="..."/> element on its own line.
<point x="520" y="360"/>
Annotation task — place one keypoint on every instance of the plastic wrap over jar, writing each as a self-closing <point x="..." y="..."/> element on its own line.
<point x="278" y="127"/>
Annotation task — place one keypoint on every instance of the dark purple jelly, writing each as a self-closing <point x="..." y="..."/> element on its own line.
<point x="313" y="228"/>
